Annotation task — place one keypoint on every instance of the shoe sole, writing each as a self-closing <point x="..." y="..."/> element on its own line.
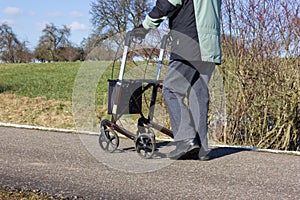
<point x="191" y="150"/>
<point x="204" y="158"/>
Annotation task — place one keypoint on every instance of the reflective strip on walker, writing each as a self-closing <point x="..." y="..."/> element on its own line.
<point x="114" y="111"/>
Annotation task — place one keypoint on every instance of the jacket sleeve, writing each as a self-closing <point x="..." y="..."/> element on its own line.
<point x="161" y="11"/>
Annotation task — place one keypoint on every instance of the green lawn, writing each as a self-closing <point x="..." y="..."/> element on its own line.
<point x="57" y="80"/>
<point x="43" y="93"/>
<point x="49" y="80"/>
<point x="47" y="94"/>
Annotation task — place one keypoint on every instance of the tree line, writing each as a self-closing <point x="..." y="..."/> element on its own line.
<point x="53" y="46"/>
<point x="254" y="21"/>
<point x="109" y="17"/>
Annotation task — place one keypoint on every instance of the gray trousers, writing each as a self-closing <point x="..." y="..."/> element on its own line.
<point x="186" y="94"/>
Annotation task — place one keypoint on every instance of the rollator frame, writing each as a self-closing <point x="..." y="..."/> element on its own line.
<point x="144" y="139"/>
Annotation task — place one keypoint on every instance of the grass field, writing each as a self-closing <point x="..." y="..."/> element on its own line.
<point x="44" y="94"/>
<point x="41" y="94"/>
<point x="49" y="80"/>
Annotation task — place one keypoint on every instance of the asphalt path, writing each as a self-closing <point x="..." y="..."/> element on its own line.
<point x="60" y="163"/>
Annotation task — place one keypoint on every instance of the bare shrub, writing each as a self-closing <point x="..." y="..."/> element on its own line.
<point x="261" y="72"/>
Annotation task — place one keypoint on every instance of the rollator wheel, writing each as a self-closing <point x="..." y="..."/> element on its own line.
<point x="145" y="130"/>
<point x="108" y="140"/>
<point x="145" y="145"/>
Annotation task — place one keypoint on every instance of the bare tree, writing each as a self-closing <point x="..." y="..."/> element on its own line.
<point x="53" y="39"/>
<point x="261" y="72"/>
<point x="11" y="49"/>
<point x="111" y="17"/>
<point x="70" y="53"/>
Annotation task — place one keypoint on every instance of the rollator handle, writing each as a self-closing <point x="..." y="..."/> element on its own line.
<point x="128" y="38"/>
<point x="164" y="41"/>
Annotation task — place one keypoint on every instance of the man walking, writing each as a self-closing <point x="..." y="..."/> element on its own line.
<point x="195" y="50"/>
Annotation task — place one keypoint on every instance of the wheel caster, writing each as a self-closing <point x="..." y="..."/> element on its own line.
<point x="145" y="145"/>
<point x="108" y="139"/>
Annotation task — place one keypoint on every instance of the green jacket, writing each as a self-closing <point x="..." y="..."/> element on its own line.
<point x="198" y="19"/>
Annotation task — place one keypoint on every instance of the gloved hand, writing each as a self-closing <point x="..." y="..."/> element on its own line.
<point x="139" y="32"/>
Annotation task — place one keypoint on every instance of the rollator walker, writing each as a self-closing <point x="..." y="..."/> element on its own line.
<point x="125" y="96"/>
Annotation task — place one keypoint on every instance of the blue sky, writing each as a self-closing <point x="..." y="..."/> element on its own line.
<point x="28" y="17"/>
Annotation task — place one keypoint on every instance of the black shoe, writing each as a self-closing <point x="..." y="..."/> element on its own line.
<point x="204" y="155"/>
<point x="183" y="147"/>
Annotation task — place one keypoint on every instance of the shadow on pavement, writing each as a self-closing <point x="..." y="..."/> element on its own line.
<point x="216" y="153"/>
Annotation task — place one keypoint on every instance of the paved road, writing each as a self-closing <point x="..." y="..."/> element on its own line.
<point x="63" y="163"/>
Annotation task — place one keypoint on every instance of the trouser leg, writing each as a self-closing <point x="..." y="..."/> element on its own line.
<point x="199" y="100"/>
<point x="176" y="86"/>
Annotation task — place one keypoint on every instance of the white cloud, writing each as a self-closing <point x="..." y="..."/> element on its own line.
<point x="76" y="14"/>
<point x="55" y="14"/>
<point x="8" y="21"/>
<point x="76" y="26"/>
<point x="12" y="11"/>
<point x="31" y="13"/>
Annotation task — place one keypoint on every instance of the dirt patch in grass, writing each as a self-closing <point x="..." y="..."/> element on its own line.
<point x="55" y="114"/>
<point x="35" y="111"/>
<point x="7" y="195"/>
<point x="16" y="193"/>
